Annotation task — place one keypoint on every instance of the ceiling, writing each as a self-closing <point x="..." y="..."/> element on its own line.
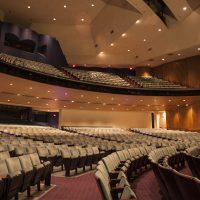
<point x="18" y="91"/>
<point x="128" y="32"/>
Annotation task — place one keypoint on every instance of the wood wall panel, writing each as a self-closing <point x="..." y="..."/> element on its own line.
<point x="184" y="118"/>
<point x="185" y="71"/>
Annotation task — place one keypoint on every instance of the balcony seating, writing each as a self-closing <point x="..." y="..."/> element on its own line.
<point x="153" y="82"/>
<point x="98" y="77"/>
<point x="33" y="66"/>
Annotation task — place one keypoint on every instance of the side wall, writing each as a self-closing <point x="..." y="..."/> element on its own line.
<point x="105" y="118"/>
<point x="184" y="118"/>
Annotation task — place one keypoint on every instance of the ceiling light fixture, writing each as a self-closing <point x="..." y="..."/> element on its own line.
<point x="29" y="7"/>
<point x="138" y="21"/>
<point x="92" y="5"/>
<point x="11" y="84"/>
<point x="65" y="6"/>
<point x="198" y="48"/>
<point x="112" y="44"/>
<point x="184" y="8"/>
<point x="82" y="20"/>
<point x="54" y="19"/>
<point x="124" y="35"/>
<point x="144" y="40"/>
<point x="159" y="29"/>
<point x="163" y="59"/>
<point x="129" y="50"/>
<point x="179" y="54"/>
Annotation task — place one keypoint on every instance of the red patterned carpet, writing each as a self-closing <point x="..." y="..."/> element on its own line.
<point x="85" y="188"/>
<point x="76" y="188"/>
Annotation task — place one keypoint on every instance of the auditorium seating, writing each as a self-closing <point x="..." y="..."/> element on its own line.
<point x="98" y="77"/>
<point x="33" y="66"/>
<point x="153" y="82"/>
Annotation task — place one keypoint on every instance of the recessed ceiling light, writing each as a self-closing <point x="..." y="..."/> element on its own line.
<point x="148" y="105"/>
<point x="179" y="54"/>
<point x="82" y="96"/>
<point x="169" y="100"/>
<point x="30" y="88"/>
<point x="65" y="6"/>
<point x="82" y="20"/>
<point x="65" y="106"/>
<point x="124" y="35"/>
<point x="28" y="102"/>
<point x="163" y="105"/>
<point x="186" y="104"/>
<point x="129" y="50"/>
<point x="101" y="53"/>
<point x="183" y="100"/>
<point x="148" y="64"/>
<point x="112" y="108"/>
<point x="138" y="21"/>
<point x="11" y="84"/>
<point x="48" y="91"/>
<point x="178" y="105"/>
<point x="130" y="68"/>
<point x="141" y="100"/>
<point x="127" y="109"/>
<point x="119" y="104"/>
<point x="29" y="6"/>
<point x="97" y="108"/>
<point x="54" y="19"/>
<point x="47" y="104"/>
<point x="144" y="40"/>
<point x="159" y="29"/>
<point x="198" y="48"/>
<point x="8" y="100"/>
<point x="88" y="102"/>
<point x="18" y="95"/>
<point x="97" y="97"/>
<point x="37" y="97"/>
<point x="65" y="93"/>
<point x="112" y="99"/>
<point x="72" y="101"/>
<point x="55" y="99"/>
<point x="184" y="8"/>
<point x="112" y="44"/>
<point x="163" y="59"/>
<point x="104" y="104"/>
<point x="92" y="5"/>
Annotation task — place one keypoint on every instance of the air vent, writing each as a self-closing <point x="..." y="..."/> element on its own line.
<point x="112" y="31"/>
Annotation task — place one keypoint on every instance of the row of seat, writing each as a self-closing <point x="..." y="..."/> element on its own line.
<point x="192" y="156"/>
<point x="115" y="171"/>
<point x="173" y="184"/>
<point x="18" y="174"/>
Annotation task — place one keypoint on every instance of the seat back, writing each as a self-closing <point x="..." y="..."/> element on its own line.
<point x="103" y="185"/>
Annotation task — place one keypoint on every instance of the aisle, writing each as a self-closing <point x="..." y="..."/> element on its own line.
<point x="146" y="187"/>
<point x="83" y="187"/>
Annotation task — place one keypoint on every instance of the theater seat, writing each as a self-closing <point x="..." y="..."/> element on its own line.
<point x="11" y="182"/>
<point x="14" y="166"/>
<point x="116" y="193"/>
<point x="47" y="168"/>
<point x="38" y="170"/>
